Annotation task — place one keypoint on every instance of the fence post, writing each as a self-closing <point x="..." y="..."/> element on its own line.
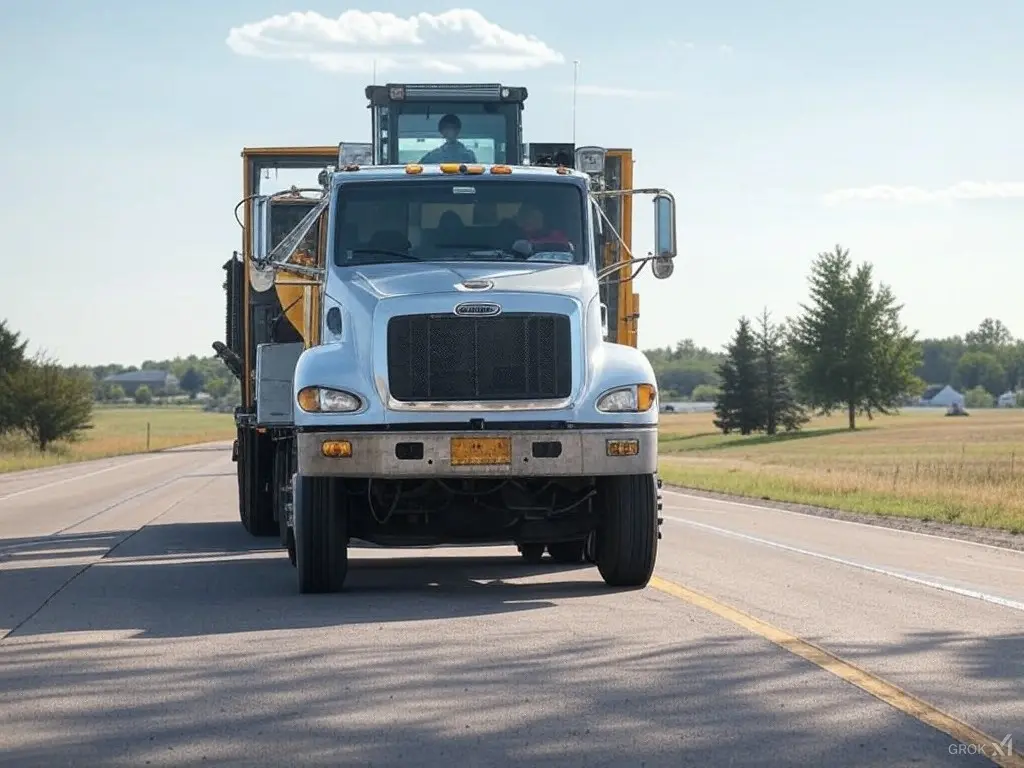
<point x="147" y="436"/>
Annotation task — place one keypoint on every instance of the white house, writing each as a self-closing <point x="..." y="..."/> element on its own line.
<point x="1008" y="399"/>
<point x="941" y="396"/>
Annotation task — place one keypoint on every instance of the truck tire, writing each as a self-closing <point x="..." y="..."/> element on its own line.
<point x="256" y="486"/>
<point x="566" y="551"/>
<point x="627" y="539"/>
<point x="321" y="535"/>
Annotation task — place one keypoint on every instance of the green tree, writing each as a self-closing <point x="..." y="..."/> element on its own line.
<point x="738" y="405"/>
<point x="683" y="368"/>
<point x="978" y="397"/>
<point x="217" y="388"/>
<point x="51" y="403"/>
<point x="12" y="358"/>
<point x="143" y="395"/>
<point x="704" y="393"/>
<point x="192" y="382"/>
<point x="982" y="369"/>
<point x="849" y="345"/>
<point x="990" y="335"/>
<point x="779" y="403"/>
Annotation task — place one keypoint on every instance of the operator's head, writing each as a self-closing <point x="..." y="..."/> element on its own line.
<point x="450" y="127"/>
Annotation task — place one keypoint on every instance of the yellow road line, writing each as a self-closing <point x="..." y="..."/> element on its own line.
<point x="907" y="703"/>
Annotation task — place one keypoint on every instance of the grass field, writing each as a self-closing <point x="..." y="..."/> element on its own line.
<point x="117" y="431"/>
<point x="919" y="464"/>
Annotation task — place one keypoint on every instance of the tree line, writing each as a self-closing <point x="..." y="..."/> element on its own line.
<point x="983" y="363"/>
<point x="193" y="375"/>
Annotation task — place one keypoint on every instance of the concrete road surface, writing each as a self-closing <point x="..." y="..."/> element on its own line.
<point x="141" y="625"/>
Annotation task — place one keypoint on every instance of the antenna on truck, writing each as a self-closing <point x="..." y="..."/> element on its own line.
<point x="575" y="80"/>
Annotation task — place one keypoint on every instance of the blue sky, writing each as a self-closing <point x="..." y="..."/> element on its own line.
<point x="123" y="123"/>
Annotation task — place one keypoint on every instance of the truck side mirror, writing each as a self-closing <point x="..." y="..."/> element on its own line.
<point x="664" y="235"/>
<point x="259" y="245"/>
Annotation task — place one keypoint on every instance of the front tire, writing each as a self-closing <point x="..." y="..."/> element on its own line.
<point x="321" y="535"/>
<point x="627" y="540"/>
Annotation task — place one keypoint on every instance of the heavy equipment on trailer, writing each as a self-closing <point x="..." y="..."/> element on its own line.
<point x="436" y="342"/>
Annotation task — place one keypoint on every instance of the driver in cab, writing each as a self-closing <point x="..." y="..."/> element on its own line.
<point x="453" y="150"/>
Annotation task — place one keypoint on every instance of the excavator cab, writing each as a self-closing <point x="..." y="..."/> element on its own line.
<point x="446" y="122"/>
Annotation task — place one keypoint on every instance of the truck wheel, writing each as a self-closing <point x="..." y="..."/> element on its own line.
<point x="256" y="491"/>
<point x="566" y="551"/>
<point x="627" y="540"/>
<point x="321" y="535"/>
<point x="532" y="553"/>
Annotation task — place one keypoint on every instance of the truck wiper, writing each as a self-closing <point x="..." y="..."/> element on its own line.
<point x="386" y="252"/>
<point x="496" y="252"/>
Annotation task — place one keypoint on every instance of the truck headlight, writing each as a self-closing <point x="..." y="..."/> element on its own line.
<point x="633" y="399"/>
<point x="324" y="400"/>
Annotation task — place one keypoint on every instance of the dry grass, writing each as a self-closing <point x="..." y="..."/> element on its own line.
<point x="119" y="431"/>
<point x="919" y="464"/>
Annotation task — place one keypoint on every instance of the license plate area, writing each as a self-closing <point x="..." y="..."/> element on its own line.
<point x="480" y="451"/>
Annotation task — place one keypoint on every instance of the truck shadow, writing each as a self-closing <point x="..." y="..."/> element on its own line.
<point x="189" y="579"/>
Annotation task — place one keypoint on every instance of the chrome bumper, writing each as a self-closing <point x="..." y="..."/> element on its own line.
<point x="375" y="454"/>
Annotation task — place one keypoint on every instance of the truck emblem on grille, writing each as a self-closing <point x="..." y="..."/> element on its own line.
<point x="477" y="309"/>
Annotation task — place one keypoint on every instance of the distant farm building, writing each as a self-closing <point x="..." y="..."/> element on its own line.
<point x="159" y="382"/>
<point x="1008" y="399"/>
<point x="941" y="396"/>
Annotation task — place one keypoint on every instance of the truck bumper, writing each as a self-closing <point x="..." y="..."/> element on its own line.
<point x="553" y="453"/>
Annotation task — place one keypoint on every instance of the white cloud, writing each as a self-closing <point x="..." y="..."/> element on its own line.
<point x="610" y="92"/>
<point x="964" y="190"/>
<point x="451" y="42"/>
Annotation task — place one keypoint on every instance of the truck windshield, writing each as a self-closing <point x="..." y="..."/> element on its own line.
<point x="470" y="218"/>
<point x="457" y="132"/>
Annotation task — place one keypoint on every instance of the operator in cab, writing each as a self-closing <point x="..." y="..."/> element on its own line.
<point x="453" y="150"/>
<point x="533" y="228"/>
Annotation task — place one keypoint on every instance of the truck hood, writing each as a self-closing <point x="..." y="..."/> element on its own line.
<point x="385" y="281"/>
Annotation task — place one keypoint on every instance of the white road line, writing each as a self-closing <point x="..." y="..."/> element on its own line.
<point x="877" y="527"/>
<point x="994" y="599"/>
<point x="71" y="479"/>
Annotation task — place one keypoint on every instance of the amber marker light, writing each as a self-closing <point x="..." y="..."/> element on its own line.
<point x="336" y="449"/>
<point x="622" y="447"/>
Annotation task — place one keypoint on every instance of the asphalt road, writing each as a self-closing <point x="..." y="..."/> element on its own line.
<point x="141" y="625"/>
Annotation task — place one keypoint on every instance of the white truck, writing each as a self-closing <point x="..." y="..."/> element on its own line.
<point x="450" y="379"/>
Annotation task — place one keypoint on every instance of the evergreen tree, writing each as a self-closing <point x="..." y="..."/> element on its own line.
<point x="850" y="347"/>
<point x="12" y="358"/>
<point x="779" y="403"/>
<point x="738" y="405"/>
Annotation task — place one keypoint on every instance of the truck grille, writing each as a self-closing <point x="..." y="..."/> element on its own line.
<point x="514" y="356"/>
